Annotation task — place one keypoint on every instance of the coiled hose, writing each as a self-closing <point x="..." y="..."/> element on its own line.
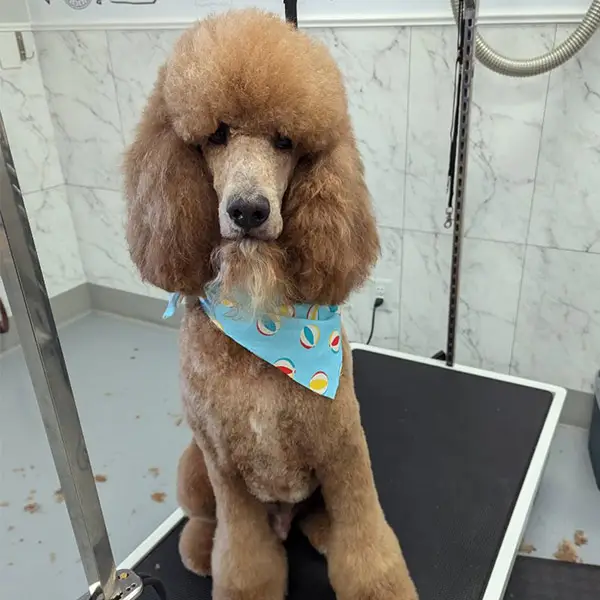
<point x="536" y="66"/>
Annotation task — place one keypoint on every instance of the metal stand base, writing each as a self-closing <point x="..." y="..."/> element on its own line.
<point x="129" y="586"/>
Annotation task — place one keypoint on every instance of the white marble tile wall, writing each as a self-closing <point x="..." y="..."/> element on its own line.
<point x="31" y="135"/>
<point x="507" y="117"/>
<point x="95" y="109"/>
<point x="558" y="329"/>
<point x="28" y="124"/>
<point x="53" y="232"/>
<point x="375" y="64"/>
<point x="358" y="312"/>
<point x="532" y="216"/>
<point x="99" y="217"/>
<point x="136" y="57"/>
<point x="490" y="285"/>
<point x="506" y="122"/>
<point x="81" y="91"/>
<point x="566" y="208"/>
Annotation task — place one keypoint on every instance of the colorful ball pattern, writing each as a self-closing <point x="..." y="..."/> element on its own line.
<point x="335" y="341"/>
<point x="285" y="365"/>
<point x="313" y="312"/>
<point x="319" y="382"/>
<point x="309" y="337"/>
<point x="268" y="325"/>
<point x="287" y="311"/>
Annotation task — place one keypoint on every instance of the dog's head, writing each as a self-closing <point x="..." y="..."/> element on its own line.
<point x="245" y="170"/>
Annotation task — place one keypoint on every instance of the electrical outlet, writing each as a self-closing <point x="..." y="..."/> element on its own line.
<point x="381" y="287"/>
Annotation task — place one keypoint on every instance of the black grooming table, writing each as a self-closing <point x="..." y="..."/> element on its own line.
<point x="457" y="456"/>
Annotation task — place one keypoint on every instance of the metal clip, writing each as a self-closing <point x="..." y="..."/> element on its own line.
<point x="449" y="218"/>
<point x="21" y="47"/>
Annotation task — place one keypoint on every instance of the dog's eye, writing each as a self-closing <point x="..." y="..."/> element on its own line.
<point x="282" y="142"/>
<point x="220" y="136"/>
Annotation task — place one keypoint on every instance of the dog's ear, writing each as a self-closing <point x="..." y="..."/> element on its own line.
<point x="329" y="228"/>
<point x="172" y="220"/>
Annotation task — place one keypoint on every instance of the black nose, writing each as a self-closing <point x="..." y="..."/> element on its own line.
<point x="249" y="214"/>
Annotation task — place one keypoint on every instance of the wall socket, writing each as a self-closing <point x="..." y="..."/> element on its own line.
<point x="380" y="289"/>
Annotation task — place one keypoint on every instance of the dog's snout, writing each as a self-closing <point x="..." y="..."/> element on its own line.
<point x="249" y="214"/>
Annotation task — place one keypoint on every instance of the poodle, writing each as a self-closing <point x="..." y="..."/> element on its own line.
<point x="246" y="195"/>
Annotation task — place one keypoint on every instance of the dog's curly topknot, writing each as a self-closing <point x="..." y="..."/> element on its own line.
<point x="250" y="67"/>
<point x="252" y="70"/>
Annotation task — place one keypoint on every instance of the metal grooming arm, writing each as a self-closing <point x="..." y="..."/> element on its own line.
<point x="28" y="298"/>
<point x="467" y="64"/>
<point x="459" y="157"/>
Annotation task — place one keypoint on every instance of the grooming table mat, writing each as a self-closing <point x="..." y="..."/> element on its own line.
<point x="542" y="579"/>
<point x="450" y="451"/>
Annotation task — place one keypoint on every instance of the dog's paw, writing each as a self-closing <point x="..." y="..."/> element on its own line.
<point x="244" y="568"/>
<point x="395" y="584"/>
<point x="269" y="591"/>
<point x="196" y="544"/>
<point x="373" y="569"/>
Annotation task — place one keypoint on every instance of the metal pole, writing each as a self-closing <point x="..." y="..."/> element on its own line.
<point x="291" y="11"/>
<point x="466" y="27"/>
<point x="28" y="298"/>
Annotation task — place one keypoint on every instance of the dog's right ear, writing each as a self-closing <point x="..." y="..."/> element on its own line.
<point x="172" y="216"/>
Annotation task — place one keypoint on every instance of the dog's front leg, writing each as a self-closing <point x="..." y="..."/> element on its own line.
<point x="248" y="560"/>
<point x="364" y="556"/>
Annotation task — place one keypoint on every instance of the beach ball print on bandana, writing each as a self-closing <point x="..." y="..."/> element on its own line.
<point x="310" y="336"/>
<point x="302" y="341"/>
<point x="319" y="382"/>
<point x="287" y="311"/>
<point x="313" y="312"/>
<point x="268" y="325"/>
<point x="335" y="341"/>
<point x="286" y="366"/>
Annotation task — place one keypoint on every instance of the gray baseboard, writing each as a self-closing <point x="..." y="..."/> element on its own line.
<point x="578" y="409"/>
<point x="87" y="297"/>
<point x="132" y="306"/>
<point x="65" y="307"/>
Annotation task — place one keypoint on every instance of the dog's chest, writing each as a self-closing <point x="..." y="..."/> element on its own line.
<point x="261" y="445"/>
<point x="275" y="469"/>
<point x="253" y="420"/>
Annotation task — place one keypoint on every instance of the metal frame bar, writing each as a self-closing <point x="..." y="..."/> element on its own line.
<point x="467" y="29"/>
<point x="291" y="11"/>
<point x="28" y="298"/>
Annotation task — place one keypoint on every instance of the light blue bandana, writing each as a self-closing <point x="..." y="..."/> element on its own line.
<point x="303" y="341"/>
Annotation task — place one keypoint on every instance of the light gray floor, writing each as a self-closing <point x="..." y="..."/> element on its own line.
<point x="124" y="374"/>
<point x="568" y="499"/>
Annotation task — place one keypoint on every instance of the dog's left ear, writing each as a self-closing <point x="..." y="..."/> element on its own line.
<point x="329" y="228"/>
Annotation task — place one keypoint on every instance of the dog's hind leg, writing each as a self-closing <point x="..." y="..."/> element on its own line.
<point x="196" y="497"/>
